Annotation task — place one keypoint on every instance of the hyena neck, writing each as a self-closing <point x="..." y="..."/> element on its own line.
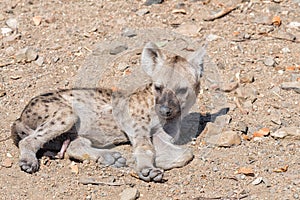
<point x="172" y="127"/>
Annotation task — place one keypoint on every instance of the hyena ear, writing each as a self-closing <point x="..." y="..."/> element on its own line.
<point x="152" y="59"/>
<point x="196" y="60"/>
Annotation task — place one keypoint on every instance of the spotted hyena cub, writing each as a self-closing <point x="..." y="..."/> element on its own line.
<point x="87" y="123"/>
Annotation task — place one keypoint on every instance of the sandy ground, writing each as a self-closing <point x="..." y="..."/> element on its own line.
<point x="252" y="52"/>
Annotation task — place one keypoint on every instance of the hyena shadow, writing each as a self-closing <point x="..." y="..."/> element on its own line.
<point x="194" y="123"/>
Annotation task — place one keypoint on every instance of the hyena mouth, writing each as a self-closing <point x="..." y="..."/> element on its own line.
<point x="167" y="112"/>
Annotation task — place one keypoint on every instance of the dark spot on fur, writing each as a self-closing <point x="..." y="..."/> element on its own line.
<point x="34" y="113"/>
<point x="115" y="127"/>
<point x="46" y="110"/>
<point x="52" y="122"/>
<point x="47" y="116"/>
<point x="40" y="129"/>
<point x="45" y="101"/>
<point x="63" y="123"/>
<point x="144" y="128"/>
<point x="32" y="103"/>
<point x="47" y="94"/>
<point x="39" y="117"/>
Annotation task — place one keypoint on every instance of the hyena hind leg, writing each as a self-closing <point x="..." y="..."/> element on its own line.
<point x="44" y="133"/>
<point x="81" y="149"/>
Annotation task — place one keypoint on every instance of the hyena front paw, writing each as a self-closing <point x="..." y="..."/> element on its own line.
<point x="114" y="159"/>
<point x="29" y="163"/>
<point x="151" y="174"/>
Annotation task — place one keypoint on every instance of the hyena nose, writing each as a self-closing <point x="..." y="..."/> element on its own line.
<point x="165" y="110"/>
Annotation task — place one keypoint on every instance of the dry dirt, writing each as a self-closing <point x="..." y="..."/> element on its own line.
<point x="249" y="56"/>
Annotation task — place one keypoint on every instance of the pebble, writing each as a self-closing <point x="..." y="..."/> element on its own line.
<point x="142" y="12"/>
<point x="257" y="181"/>
<point x="9" y="51"/>
<point x="287" y="132"/>
<point x="275" y="117"/>
<point x="247" y="78"/>
<point x="12" y="37"/>
<point x="129" y="194"/>
<point x="27" y="54"/>
<point x="188" y="30"/>
<point x="31" y="55"/>
<point x="118" y="49"/>
<point x="212" y="37"/>
<point x="269" y="61"/>
<point x="151" y="2"/>
<point x="12" y="23"/>
<point x="37" y="20"/>
<point x="39" y="62"/>
<point x="224" y="139"/>
<point x="241" y="126"/>
<point x="7" y="162"/>
<point x="2" y="93"/>
<point x="286" y="50"/>
<point x="6" y="31"/>
<point x="128" y="32"/>
<point x="295" y="85"/>
<point x="294" y="25"/>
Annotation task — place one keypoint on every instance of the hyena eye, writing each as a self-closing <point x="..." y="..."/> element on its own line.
<point x="181" y="91"/>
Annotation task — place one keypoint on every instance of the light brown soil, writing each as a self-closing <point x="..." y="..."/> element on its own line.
<point x="75" y="38"/>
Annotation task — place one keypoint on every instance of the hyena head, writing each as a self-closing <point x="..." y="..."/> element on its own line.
<point x="175" y="80"/>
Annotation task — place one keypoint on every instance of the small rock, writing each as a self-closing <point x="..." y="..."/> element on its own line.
<point x="12" y="23"/>
<point x="20" y="56"/>
<point x="275" y="117"/>
<point x="287" y="132"/>
<point x="267" y="182"/>
<point x="31" y="55"/>
<point x="294" y="25"/>
<point x="6" y="31"/>
<point x="118" y="49"/>
<point x="269" y="61"/>
<point x="74" y="168"/>
<point x="286" y="50"/>
<point x="39" y="62"/>
<point x="142" y="12"/>
<point x="128" y="32"/>
<point x="222" y="120"/>
<point x="224" y="139"/>
<point x="150" y="2"/>
<point x="37" y="20"/>
<point x="188" y="30"/>
<point x="10" y="51"/>
<point x="2" y="93"/>
<point x="12" y="37"/>
<point x="247" y="78"/>
<point x="291" y="86"/>
<point x="27" y="54"/>
<point x="50" y="19"/>
<point x="179" y="11"/>
<point x="212" y="37"/>
<point x="262" y="132"/>
<point x="122" y="67"/>
<point x="257" y="181"/>
<point x="129" y="194"/>
<point x="7" y="162"/>
<point x="241" y="126"/>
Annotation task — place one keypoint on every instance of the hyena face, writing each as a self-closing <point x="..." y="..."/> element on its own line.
<point x="175" y="80"/>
